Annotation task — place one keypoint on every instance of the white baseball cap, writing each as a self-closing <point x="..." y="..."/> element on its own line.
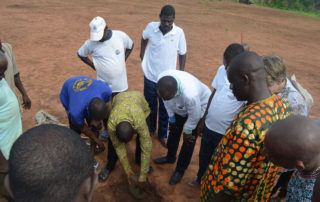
<point x="97" y="26"/>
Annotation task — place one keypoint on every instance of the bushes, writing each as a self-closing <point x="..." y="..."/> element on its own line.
<point x="299" y="5"/>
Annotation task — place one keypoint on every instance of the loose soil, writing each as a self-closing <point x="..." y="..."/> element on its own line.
<point x="46" y="35"/>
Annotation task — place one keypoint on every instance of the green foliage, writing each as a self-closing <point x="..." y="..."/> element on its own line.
<point x="298" y="5"/>
<point x="304" y="7"/>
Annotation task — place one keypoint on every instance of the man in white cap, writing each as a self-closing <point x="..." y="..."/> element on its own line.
<point x="109" y="50"/>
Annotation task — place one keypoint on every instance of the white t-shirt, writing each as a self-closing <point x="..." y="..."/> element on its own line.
<point x="161" y="52"/>
<point x="191" y="99"/>
<point x="109" y="59"/>
<point x="224" y="105"/>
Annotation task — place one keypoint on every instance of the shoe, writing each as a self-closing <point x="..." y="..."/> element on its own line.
<point x="163" y="160"/>
<point x="150" y="170"/>
<point x="175" y="178"/>
<point x="195" y="183"/>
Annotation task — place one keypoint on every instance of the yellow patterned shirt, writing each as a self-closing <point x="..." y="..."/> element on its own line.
<point x="133" y="108"/>
<point x="238" y="167"/>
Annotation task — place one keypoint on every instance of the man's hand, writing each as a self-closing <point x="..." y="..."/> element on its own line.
<point x="129" y="176"/>
<point x="188" y="138"/>
<point x="200" y="127"/>
<point x="26" y="101"/>
<point x="100" y="144"/>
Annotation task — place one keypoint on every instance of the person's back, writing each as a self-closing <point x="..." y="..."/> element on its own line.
<point x="51" y="163"/>
<point x="76" y="94"/>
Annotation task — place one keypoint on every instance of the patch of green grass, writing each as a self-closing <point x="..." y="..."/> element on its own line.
<point x="310" y="14"/>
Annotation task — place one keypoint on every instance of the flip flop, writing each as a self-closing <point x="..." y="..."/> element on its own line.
<point x="103" y="175"/>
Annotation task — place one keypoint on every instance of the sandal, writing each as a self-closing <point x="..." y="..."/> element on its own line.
<point x="103" y="175"/>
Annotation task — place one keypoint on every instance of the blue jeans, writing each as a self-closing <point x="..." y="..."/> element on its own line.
<point x="186" y="151"/>
<point x="209" y="142"/>
<point x="150" y="93"/>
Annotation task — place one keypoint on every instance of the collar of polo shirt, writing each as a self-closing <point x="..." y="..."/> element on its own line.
<point x="173" y="31"/>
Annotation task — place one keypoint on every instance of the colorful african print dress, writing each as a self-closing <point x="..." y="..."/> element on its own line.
<point x="300" y="187"/>
<point x="237" y="167"/>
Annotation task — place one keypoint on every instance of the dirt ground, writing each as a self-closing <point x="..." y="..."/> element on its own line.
<point x="46" y="35"/>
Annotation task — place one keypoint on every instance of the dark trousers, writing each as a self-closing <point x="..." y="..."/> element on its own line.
<point x="209" y="142"/>
<point x="150" y="93"/>
<point x="173" y="144"/>
<point x="112" y="155"/>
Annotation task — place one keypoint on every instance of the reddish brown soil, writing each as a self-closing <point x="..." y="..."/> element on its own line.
<point x="46" y="35"/>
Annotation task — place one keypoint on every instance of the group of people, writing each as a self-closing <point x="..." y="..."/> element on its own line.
<point x="254" y="120"/>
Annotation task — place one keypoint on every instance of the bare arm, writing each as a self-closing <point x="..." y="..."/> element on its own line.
<point x="128" y="52"/>
<point x="25" y="97"/>
<point x="144" y="43"/>
<point x="182" y="61"/>
<point x="87" y="61"/>
<point x="89" y="133"/>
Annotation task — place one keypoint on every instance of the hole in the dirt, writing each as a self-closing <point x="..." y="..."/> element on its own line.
<point x="121" y="193"/>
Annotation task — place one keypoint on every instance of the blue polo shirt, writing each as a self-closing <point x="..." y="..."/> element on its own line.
<point x="76" y="94"/>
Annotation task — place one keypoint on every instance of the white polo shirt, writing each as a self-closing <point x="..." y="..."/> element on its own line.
<point x="161" y="52"/>
<point x="224" y="105"/>
<point x="109" y="59"/>
<point x="191" y="99"/>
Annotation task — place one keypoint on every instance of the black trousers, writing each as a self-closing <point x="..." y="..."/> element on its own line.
<point x="186" y="151"/>
<point x="209" y="142"/>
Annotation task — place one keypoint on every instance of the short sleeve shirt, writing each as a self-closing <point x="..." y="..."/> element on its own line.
<point x="161" y="52"/>
<point x="12" y="66"/>
<point x="224" y="105"/>
<point x="133" y="108"/>
<point x="238" y="167"/>
<point x="296" y="100"/>
<point x="76" y="94"/>
<point x="109" y="59"/>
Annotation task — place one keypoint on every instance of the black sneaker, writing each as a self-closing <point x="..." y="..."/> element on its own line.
<point x="175" y="178"/>
<point x="163" y="160"/>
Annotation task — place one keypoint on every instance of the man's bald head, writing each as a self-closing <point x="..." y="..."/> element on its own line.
<point x="293" y="141"/>
<point x="3" y="65"/>
<point x="124" y="131"/>
<point x="167" y="87"/>
<point x="247" y="77"/>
